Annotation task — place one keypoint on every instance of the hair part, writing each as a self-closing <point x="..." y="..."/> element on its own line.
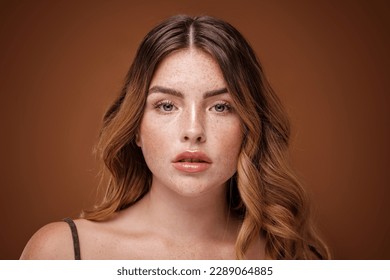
<point x="266" y="193"/>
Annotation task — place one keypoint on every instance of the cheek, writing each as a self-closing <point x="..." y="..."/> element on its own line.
<point x="154" y="139"/>
<point x="228" y="139"/>
<point x="150" y="132"/>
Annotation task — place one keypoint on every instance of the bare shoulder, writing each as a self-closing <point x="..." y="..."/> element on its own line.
<point x="53" y="241"/>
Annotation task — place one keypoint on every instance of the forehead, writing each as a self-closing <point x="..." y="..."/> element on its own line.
<point x="189" y="67"/>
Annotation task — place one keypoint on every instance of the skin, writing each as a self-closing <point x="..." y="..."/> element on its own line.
<point x="185" y="214"/>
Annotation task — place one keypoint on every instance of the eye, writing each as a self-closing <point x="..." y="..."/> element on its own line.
<point x="222" y="107"/>
<point x="165" y="106"/>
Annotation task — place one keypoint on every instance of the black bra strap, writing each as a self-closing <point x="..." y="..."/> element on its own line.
<point x="75" y="237"/>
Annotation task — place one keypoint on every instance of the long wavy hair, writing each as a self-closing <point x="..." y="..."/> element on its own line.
<point x="264" y="191"/>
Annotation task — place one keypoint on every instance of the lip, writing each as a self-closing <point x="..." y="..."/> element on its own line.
<point x="201" y="162"/>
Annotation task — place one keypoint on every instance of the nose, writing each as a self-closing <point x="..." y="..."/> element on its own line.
<point x="193" y="127"/>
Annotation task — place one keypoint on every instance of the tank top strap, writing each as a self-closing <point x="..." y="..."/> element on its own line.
<point x="75" y="237"/>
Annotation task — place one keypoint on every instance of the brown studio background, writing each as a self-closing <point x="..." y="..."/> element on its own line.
<point x="63" y="62"/>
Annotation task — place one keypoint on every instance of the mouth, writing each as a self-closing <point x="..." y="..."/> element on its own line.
<point x="194" y="157"/>
<point x="192" y="162"/>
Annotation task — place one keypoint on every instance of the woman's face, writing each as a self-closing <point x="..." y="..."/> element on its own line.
<point x="190" y="134"/>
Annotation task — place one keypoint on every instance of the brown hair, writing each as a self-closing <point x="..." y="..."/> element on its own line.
<point x="264" y="190"/>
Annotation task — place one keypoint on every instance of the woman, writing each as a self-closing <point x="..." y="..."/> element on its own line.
<point x="195" y="150"/>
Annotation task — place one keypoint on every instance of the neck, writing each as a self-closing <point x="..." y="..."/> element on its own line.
<point x="189" y="217"/>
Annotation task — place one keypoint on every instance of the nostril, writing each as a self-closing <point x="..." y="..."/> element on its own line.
<point x="197" y="139"/>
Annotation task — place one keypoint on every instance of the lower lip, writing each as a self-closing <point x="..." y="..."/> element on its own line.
<point x="191" y="167"/>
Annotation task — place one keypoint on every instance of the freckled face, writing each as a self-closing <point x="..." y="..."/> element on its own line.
<point x="190" y="134"/>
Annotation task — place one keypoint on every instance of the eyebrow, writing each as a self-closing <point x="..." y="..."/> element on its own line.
<point x="177" y="93"/>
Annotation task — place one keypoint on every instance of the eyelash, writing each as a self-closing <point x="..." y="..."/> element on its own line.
<point x="159" y="106"/>
<point x="227" y="109"/>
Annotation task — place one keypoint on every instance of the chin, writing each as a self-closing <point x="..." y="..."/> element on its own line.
<point x="192" y="191"/>
<point x="196" y="189"/>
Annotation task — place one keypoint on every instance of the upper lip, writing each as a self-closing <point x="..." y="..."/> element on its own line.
<point x="193" y="156"/>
